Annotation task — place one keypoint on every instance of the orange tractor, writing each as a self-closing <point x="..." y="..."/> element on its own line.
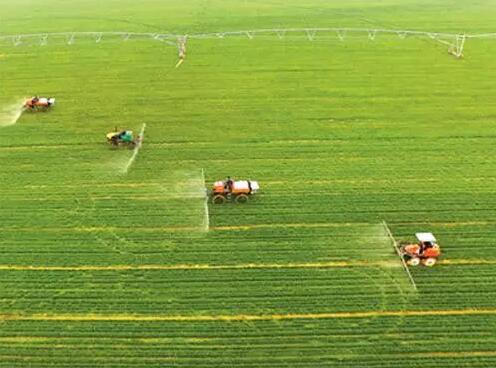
<point x="425" y="251"/>
<point x="39" y="103"/>
<point x="238" y="191"/>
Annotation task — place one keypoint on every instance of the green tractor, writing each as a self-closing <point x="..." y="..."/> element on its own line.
<point x="122" y="138"/>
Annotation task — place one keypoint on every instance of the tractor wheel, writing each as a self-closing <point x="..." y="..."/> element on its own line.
<point x="218" y="199"/>
<point x="241" y="198"/>
<point x="429" y="262"/>
<point x="414" y="261"/>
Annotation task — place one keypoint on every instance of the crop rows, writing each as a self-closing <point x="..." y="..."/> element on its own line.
<point x="103" y="269"/>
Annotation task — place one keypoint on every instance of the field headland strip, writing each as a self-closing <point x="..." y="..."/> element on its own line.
<point x="242" y="266"/>
<point x="242" y="317"/>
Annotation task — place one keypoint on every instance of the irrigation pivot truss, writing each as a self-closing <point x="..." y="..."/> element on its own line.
<point x="454" y="41"/>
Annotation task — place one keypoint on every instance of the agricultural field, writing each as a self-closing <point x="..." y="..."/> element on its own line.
<point x="116" y="257"/>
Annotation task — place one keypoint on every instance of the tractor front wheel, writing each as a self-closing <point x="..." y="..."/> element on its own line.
<point x="218" y="199"/>
<point x="241" y="198"/>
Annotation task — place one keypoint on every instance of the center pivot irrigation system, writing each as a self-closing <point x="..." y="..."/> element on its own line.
<point x="454" y="41"/>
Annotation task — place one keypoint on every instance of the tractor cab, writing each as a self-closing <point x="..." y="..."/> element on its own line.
<point x="427" y="244"/>
<point x="126" y="136"/>
<point x="426" y="250"/>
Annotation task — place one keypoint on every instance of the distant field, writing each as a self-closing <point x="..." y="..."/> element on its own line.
<point x="102" y="268"/>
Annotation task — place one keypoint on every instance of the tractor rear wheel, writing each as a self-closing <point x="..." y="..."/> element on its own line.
<point x="429" y="262"/>
<point x="241" y="198"/>
<point x="414" y="261"/>
<point x="218" y="199"/>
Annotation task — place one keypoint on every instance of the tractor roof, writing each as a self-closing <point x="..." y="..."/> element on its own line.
<point x="425" y="237"/>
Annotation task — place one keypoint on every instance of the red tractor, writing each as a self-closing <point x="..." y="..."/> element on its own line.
<point x="39" y="103"/>
<point x="229" y="190"/>
<point x="425" y="251"/>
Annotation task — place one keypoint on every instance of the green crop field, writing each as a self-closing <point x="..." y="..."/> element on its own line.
<point x="114" y="258"/>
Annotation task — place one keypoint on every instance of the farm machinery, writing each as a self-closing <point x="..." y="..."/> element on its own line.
<point x="425" y="251"/>
<point x="123" y="138"/>
<point x="238" y="191"/>
<point x="39" y="103"/>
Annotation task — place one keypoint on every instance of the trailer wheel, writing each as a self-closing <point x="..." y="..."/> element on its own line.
<point x="218" y="199"/>
<point x="241" y="198"/>
<point x="414" y="261"/>
<point x="429" y="262"/>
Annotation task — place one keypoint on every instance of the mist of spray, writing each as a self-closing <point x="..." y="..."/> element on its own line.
<point x="135" y="151"/>
<point x="11" y="113"/>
